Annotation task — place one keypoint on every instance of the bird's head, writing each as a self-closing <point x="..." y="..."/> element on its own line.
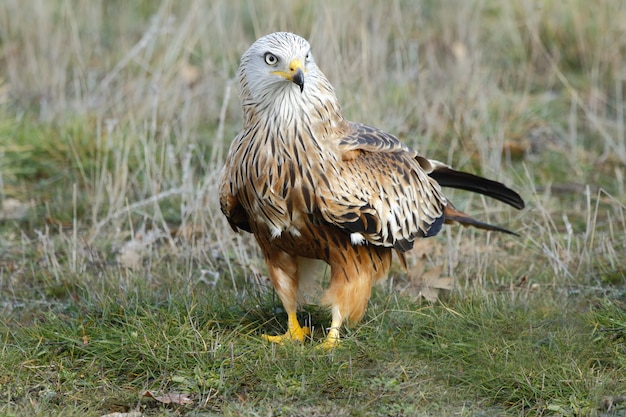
<point x="274" y="63"/>
<point x="279" y="80"/>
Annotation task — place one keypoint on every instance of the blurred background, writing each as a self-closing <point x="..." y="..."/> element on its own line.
<point x="106" y="104"/>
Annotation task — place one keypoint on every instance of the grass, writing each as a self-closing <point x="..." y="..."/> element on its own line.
<point x="119" y="275"/>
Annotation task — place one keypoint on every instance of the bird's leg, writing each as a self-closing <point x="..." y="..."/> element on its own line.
<point x="353" y="270"/>
<point x="283" y="270"/>
<point x="333" y="336"/>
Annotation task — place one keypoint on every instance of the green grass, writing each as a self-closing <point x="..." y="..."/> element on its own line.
<point x="119" y="274"/>
<point x="521" y="354"/>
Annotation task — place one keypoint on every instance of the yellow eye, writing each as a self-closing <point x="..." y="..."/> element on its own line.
<point x="307" y="58"/>
<point x="270" y="59"/>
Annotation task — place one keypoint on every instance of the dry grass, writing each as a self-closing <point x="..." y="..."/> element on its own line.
<point x="114" y="122"/>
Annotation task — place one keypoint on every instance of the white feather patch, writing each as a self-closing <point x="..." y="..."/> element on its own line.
<point x="295" y="232"/>
<point x="357" y="238"/>
<point x="276" y="232"/>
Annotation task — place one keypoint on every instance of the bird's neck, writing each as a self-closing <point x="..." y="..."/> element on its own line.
<point x="315" y="110"/>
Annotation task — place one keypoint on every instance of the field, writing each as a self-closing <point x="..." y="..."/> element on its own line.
<point x="124" y="290"/>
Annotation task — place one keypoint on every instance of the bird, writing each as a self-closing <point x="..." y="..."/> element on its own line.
<point x="311" y="185"/>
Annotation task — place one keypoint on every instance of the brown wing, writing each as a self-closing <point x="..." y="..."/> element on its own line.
<point x="367" y="138"/>
<point x="229" y="203"/>
<point x="382" y="191"/>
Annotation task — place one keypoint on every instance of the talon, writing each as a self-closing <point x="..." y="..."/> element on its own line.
<point x="296" y="335"/>
<point x="294" y="332"/>
<point x="332" y="340"/>
<point x="328" y="344"/>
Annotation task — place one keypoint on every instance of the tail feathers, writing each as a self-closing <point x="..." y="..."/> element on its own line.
<point x="448" y="177"/>
<point x="453" y="215"/>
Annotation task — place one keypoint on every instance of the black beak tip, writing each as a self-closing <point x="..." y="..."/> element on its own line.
<point x="298" y="79"/>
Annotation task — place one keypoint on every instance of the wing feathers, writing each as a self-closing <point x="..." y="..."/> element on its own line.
<point x="407" y="202"/>
<point x="381" y="191"/>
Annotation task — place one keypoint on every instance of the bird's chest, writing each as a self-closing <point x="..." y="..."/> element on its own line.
<point x="279" y="194"/>
<point x="282" y="175"/>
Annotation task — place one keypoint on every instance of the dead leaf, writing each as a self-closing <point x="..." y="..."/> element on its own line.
<point x="58" y="223"/>
<point x="516" y="149"/>
<point x="130" y="258"/>
<point x="427" y="284"/>
<point x="132" y="253"/>
<point x="13" y="209"/>
<point x="188" y="231"/>
<point x="459" y="51"/>
<point x="609" y="402"/>
<point x="423" y="247"/>
<point x="189" y="74"/>
<point x="170" y="397"/>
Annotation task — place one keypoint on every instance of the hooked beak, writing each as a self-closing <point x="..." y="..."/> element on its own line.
<point x="298" y="78"/>
<point x="295" y="74"/>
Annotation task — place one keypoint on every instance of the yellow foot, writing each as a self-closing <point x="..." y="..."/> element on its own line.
<point x="328" y="344"/>
<point x="296" y="335"/>
<point x="331" y="341"/>
<point x="294" y="331"/>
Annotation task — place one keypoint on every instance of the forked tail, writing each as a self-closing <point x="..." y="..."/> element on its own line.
<point x="448" y="177"/>
<point x="452" y="215"/>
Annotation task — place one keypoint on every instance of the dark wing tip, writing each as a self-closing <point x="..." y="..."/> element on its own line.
<point x="448" y="177"/>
